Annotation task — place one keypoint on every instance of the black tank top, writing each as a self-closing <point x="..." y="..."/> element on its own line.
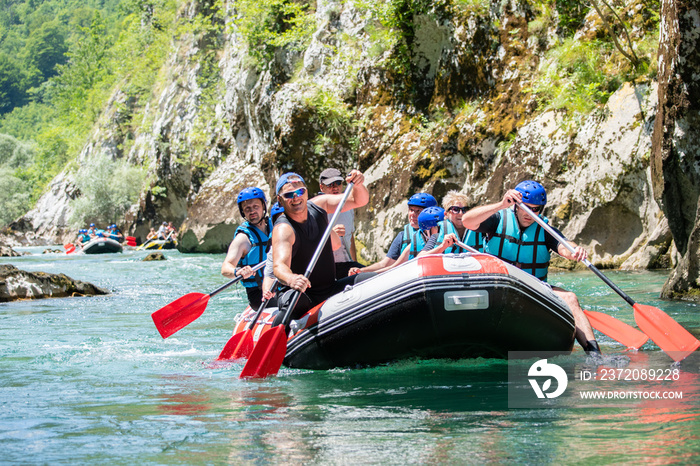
<point x="307" y="236"/>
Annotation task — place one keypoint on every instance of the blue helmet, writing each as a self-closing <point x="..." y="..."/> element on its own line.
<point x="248" y="194"/>
<point x="533" y="192"/>
<point x="276" y="209"/>
<point x="92" y="225"/>
<point x="422" y="200"/>
<point x="430" y="217"/>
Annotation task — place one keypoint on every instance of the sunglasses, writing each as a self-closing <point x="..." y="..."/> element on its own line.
<point x="292" y="194"/>
<point x="458" y="210"/>
<point x="334" y="184"/>
<point x="536" y="209"/>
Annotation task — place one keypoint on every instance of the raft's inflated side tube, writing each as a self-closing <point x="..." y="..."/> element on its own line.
<point x="102" y="246"/>
<point x="441" y="306"/>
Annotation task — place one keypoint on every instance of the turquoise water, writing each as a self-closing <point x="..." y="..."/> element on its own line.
<point x="88" y="380"/>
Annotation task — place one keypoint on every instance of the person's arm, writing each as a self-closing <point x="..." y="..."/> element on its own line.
<point x="239" y="247"/>
<point x="359" y="196"/>
<point x="431" y="247"/>
<point x="402" y="258"/>
<point x="282" y="241"/>
<point x="336" y="232"/>
<point x="579" y="255"/>
<point x="389" y="259"/>
<point x="472" y="219"/>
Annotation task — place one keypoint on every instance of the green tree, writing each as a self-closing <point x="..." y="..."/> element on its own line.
<point x="15" y="196"/>
<point x="45" y="48"/>
<point x="12" y="89"/>
<point x="107" y="189"/>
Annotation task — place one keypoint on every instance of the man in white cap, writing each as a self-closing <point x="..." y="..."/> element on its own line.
<point x="331" y="182"/>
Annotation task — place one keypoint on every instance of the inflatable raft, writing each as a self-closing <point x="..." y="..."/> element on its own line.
<point x="437" y="306"/>
<point x="158" y="244"/>
<point x="101" y="246"/>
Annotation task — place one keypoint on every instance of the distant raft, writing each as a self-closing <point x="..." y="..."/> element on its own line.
<point x="101" y="246"/>
<point x="437" y="306"/>
<point x="158" y="244"/>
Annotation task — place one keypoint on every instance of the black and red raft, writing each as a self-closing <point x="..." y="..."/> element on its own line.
<point x="438" y="306"/>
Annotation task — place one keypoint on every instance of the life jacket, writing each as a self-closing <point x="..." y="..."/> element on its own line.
<point x="525" y="249"/>
<point x="471" y="238"/>
<point x="412" y="238"/>
<point x="259" y="245"/>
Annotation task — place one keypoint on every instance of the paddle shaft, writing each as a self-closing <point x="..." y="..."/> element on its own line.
<point x="235" y="280"/>
<point x="571" y="249"/>
<point x="464" y="246"/>
<point x="319" y="250"/>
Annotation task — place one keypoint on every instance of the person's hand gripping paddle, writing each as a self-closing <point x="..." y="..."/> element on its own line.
<point x="268" y="354"/>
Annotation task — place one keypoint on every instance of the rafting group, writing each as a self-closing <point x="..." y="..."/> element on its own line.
<point x="94" y="240"/>
<point x="455" y="282"/>
<point x="164" y="238"/>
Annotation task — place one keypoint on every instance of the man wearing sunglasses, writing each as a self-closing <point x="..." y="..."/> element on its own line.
<point x="331" y="182"/>
<point x="297" y="234"/>
<point x="515" y="237"/>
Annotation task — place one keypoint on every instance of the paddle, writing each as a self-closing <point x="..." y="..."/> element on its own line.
<point x="70" y="247"/>
<point x="615" y="329"/>
<point x="241" y="344"/>
<point x="668" y="334"/>
<point x="185" y="310"/>
<point x="268" y="355"/>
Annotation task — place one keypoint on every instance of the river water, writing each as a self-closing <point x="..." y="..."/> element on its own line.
<point x="90" y="380"/>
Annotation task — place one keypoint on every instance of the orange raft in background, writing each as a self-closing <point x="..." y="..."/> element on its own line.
<point x="439" y="306"/>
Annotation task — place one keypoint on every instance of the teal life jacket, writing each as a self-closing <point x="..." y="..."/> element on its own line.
<point x="525" y="249"/>
<point x="471" y="238"/>
<point x="412" y="238"/>
<point x="259" y="245"/>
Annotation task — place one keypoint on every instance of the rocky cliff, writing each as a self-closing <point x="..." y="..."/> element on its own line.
<point x="676" y="145"/>
<point x="448" y="105"/>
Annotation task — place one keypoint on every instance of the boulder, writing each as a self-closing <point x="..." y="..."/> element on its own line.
<point x="154" y="256"/>
<point x="6" y="251"/>
<point x="18" y="284"/>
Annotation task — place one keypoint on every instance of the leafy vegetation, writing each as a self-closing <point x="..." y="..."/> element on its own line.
<point x="579" y="74"/>
<point x="59" y="63"/>
<point x="270" y="24"/>
<point x="107" y="187"/>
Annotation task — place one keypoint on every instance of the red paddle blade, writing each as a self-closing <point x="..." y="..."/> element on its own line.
<point x="180" y="313"/>
<point x="616" y="329"/>
<point x="668" y="334"/>
<point x="70" y="247"/>
<point x="236" y="346"/>
<point x="267" y="356"/>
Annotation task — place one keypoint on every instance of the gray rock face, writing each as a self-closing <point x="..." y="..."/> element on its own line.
<point x="676" y="148"/>
<point x="17" y="284"/>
